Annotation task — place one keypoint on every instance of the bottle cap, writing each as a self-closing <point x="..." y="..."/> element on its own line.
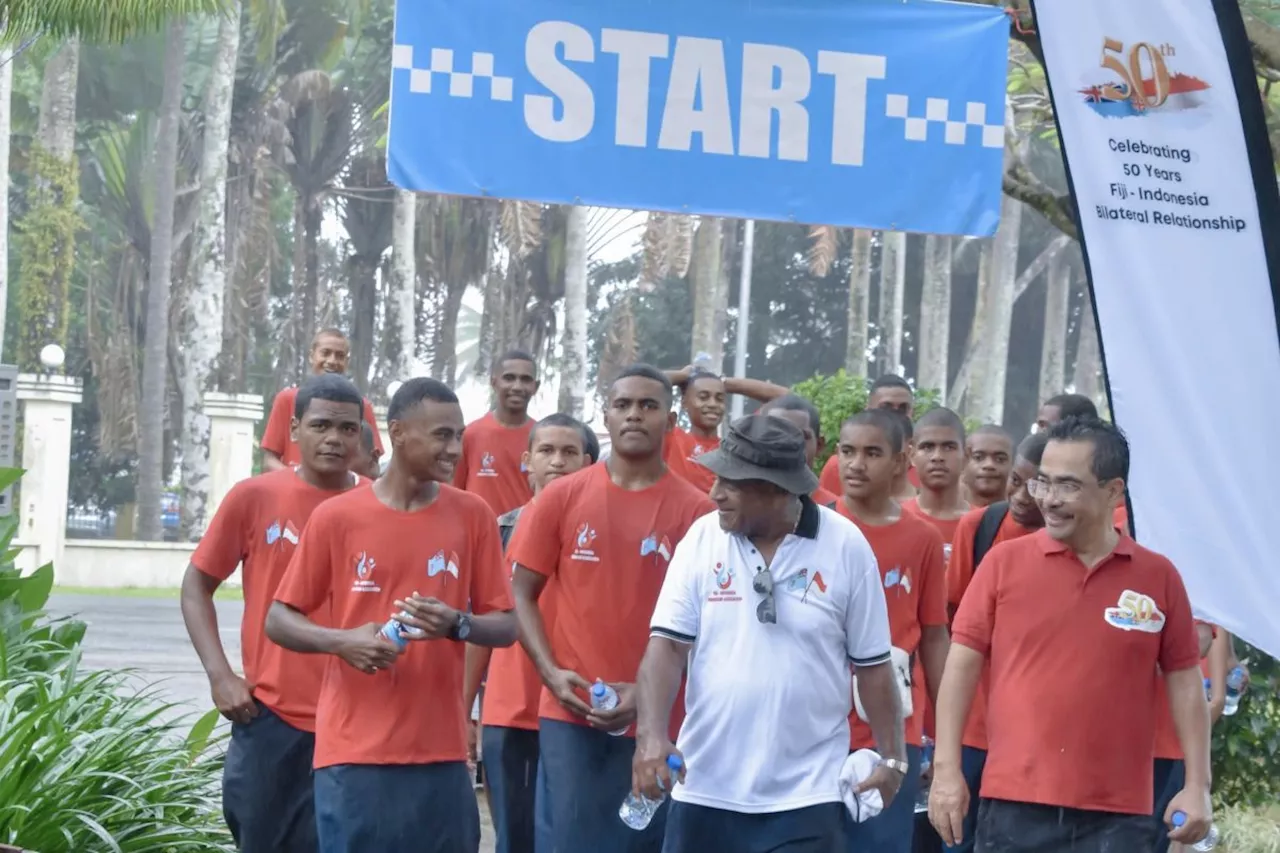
<point x="675" y="763"/>
<point x="598" y="689"/>
<point x="1178" y="819"/>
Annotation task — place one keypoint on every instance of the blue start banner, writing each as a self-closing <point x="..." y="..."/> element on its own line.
<point x="873" y="114"/>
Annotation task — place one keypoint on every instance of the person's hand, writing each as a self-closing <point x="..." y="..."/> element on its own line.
<point x="435" y="619"/>
<point x="948" y="804"/>
<point x="473" y="745"/>
<point x="883" y="779"/>
<point x="650" y="774"/>
<point x="621" y="716"/>
<point x="233" y="697"/>
<point x="1199" y="812"/>
<point x="564" y="684"/>
<point x="366" y="649"/>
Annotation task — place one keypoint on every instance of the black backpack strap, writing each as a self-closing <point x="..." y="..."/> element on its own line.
<point x="988" y="527"/>
<point x="507" y="526"/>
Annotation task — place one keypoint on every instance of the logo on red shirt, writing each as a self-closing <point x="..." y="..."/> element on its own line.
<point x="364" y="574"/>
<point x="653" y="545"/>
<point x="582" y="544"/>
<point x="438" y="564"/>
<point x="1135" y="612"/>
<point x="486" y="466"/>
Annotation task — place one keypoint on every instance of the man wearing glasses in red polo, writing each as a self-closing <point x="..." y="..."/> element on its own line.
<point x="769" y="601"/>
<point x="1077" y="620"/>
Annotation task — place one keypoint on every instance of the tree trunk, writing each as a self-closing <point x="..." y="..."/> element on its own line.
<point x="291" y="357"/>
<point x="573" y="359"/>
<point x="729" y="249"/>
<point x="47" y="232"/>
<point x="235" y="311"/>
<point x="1088" y="358"/>
<point x="404" y="277"/>
<point x="202" y="315"/>
<point x="6" y="91"/>
<point x="156" y="349"/>
<point x="1053" y="352"/>
<point x="973" y="353"/>
<point x="893" y="279"/>
<point x="444" y="355"/>
<point x="362" y="282"/>
<point x="312" y="219"/>
<point x="859" y="317"/>
<point x="988" y="397"/>
<point x="935" y="315"/>
<point x="704" y="278"/>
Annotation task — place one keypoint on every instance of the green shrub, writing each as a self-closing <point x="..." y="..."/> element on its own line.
<point x="1248" y="831"/>
<point x="88" y="763"/>
<point x="1246" y="746"/>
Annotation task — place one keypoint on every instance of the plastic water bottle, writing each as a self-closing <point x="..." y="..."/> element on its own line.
<point x="1208" y="689"/>
<point x="638" y="810"/>
<point x="926" y="761"/>
<point x="1235" y="689"/>
<point x="395" y="631"/>
<point x="703" y="361"/>
<point x="1209" y="842"/>
<point x="605" y="698"/>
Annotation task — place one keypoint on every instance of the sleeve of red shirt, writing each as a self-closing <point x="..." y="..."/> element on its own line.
<point x="490" y="580"/>
<point x="460" y="470"/>
<point x="538" y="547"/>
<point x="1179" y="645"/>
<point x="960" y="568"/>
<point x="275" y="436"/>
<point x="308" y="580"/>
<point x="976" y="619"/>
<point x="223" y="546"/>
<point x="829" y="479"/>
<point x="372" y="419"/>
<point x="933" y="583"/>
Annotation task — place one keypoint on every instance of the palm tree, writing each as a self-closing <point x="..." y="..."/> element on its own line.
<point x="824" y="248"/>
<point x="367" y="203"/>
<point x="707" y="297"/>
<point x="202" y="314"/>
<point x="155" y="357"/>
<point x="402" y="328"/>
<point x="6" y="92"/>
<point x="573" y="359"/>
<point x="65" y="19"/>
<point x="935" y="315"/>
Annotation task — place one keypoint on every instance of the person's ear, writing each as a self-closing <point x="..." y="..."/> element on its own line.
<point x="525" y="459"/>
<point x="294" y="426"/>
<point x="671" y="421"/>
<point x="1116" y="492"/>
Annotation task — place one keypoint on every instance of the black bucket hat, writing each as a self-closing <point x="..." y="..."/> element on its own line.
<point x="759" y="447"/>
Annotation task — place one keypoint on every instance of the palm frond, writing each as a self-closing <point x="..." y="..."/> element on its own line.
<point x="520" y="225"/>
<point x="824" y="247"/>
<point x="96" y="20"/>
<point x="667" y="247"/>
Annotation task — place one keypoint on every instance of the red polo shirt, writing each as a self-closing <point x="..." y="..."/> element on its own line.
<point x="1073" y="654"/>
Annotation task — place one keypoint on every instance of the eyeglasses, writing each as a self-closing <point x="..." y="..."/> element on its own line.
<point x="1042" y="490"/>
<point x="767" y="609"/>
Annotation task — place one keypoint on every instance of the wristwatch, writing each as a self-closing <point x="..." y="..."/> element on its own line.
<point x="462" y="628"/>
<point x="896" y="765"/>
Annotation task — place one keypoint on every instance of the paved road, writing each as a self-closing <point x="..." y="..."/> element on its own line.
<point x="147" y="634"/>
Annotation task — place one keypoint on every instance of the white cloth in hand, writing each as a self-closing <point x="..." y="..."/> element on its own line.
<point x="857" y="767"/>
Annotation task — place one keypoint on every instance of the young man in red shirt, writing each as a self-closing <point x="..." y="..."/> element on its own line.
<point x="329" y="354"/>
<point x="909" y="553"/>
<point x="493" y="446"/>
<point x="266" y="781"/>
<point x="938" y="456"/>
<point x="367" y="462"/>
<point x="559" y="445"/>
<point x="391" y="745"/>
<point x="604" y="537"/>
<point x="988" y="461"/>
<point x="1076" y="774"/>
<point x="890" y="392"/>
<point x="975" y="535"/>
<point x="803" y="415"/>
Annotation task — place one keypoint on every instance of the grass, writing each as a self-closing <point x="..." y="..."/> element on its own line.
<point x="224" y="593"/>
<point x="1246" y="831"/>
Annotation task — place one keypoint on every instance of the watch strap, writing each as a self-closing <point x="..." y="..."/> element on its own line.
<point x="896" y="764"/>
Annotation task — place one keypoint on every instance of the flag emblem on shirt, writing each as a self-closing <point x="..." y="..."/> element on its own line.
<point x="438" y="563"/>
<point x="273" y="533"/>
<point x="290" y="533"/>
<point x="897" y="577"/>
<point x="653" y="545"/>
<point x="815" y="582"/>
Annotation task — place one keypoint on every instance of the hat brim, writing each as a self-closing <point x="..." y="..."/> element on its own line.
<point x="799" y="482"/>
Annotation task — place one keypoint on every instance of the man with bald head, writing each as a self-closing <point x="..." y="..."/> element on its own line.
<point x="329" y="353"/>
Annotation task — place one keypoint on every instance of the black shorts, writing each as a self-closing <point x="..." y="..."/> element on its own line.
<point x="1009" y="827"/>
<point x="267" y="790"/>
<point x="699" y="829"/>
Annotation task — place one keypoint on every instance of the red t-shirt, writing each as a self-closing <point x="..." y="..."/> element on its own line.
<point x="358" y="556"/>
<point x="490" y="464"/>
<point x="909" y="554"/>
<point x="681" y="450"/>
<point x="513" y="688"/>
<point x="822" y="497"/>
<point x="608" y="549"/>
<point x="257" y="525"/>
<point x="276" y="436"/>
<point x="960" y="570"/>
<point x="945" y="527"/>
<point x="1073" y="659"/>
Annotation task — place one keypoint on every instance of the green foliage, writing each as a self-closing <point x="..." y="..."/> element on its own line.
<point x="87" y="762"/>
<point x="1246" y="746"/>
<point x="838" y="398"/>
<point x="95" y="20"/>
<point x="46" y="237"/>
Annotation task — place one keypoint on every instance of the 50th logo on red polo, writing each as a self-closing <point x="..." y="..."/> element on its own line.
<point x="1135" y="612"/>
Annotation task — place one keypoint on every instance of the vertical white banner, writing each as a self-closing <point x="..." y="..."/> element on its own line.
<point x="1158" y="135"/>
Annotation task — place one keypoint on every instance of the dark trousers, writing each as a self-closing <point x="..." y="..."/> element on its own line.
<point x="972" y="763"/>
<point x="511" y="768"/>
<point x="699" y="829"/>
<point x="588" y="775"/>
<point x="424" y="808"/>
<point x="267" y="792"/>
<point x="1169" y="776"/>
<point x="1008" y="827"/>
<point x="893" y="830"/>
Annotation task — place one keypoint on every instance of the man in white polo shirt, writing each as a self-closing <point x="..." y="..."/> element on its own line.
<point x="768" y="600"/>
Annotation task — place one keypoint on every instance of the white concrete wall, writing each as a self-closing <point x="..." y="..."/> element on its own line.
<point x="119" y="564"/>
